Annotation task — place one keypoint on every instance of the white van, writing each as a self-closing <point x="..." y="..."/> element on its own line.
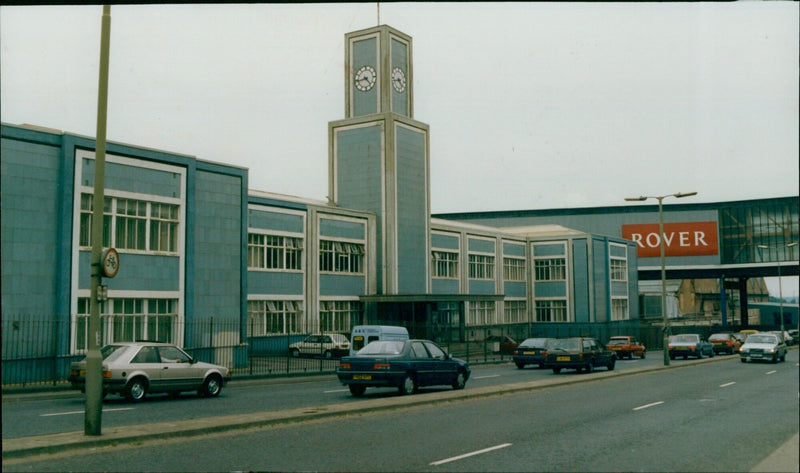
<point x="364" y="334"/>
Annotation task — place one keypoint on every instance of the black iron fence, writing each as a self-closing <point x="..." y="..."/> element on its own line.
<point x="37" y="350"/>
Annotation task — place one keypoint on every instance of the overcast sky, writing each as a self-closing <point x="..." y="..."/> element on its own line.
<point x="530" y="106"/>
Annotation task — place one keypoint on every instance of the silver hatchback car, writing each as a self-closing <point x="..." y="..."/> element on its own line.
<point x="137" y="368"/>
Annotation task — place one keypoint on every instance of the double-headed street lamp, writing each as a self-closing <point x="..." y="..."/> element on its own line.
<point x="660" y="198"/>
<point x="780" y="284"/>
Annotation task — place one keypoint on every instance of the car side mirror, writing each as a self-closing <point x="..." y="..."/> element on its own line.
<point x="192" y="360"/>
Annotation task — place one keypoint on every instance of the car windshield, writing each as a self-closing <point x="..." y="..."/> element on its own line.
<point x="535" y="343"/>
<point x="719" y="336"/>
<point x="382" y="348"/>
<point x="618" y="341"/>
<point x="112" y="352"/>
<point x="567" y="345"/>
<point x="758" y="338"/>
<point x="686" y="338"/>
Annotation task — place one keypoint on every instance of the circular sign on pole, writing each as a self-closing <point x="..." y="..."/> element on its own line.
<point x="110" y="263"/>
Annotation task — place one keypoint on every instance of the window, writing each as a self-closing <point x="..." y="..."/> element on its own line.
<point x="481" y="266"/>
<point x="481" y="313"/>
<point x="273" y="317"/>
<point x="550" y="269"/>
<point x="274" y="252"/>
<point x="619" y="269"/>
<point x="515" y="312"/>
<point x="619" y="309"/>
<point x="341" y="257"/>
<point x="132" y="224"/>
<point x="513" y="269"/>
<point x="551" y="310"/>
<point x="87" y="207"/>
<point x="444" y="264"/>
<point x="129" y="319"/>
<point x="338" y="316"/>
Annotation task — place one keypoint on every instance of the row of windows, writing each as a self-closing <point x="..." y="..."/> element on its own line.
<point x="132" y="224"/>
<point x="274" y="252"/>
<point x="127" y="320"/>
<point x="286" y="317"/>
<point x="341" y="257"/>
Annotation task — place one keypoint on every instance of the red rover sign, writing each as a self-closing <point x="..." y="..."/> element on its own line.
<point x="680" y="239"/>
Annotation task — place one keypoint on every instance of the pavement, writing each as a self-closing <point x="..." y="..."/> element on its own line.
<point x="783" y="459"/>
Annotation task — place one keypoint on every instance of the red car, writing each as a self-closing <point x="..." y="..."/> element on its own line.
<point x="626" y="347"/>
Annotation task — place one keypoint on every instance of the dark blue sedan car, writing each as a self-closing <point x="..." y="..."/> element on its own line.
<point x="404" y="364"/>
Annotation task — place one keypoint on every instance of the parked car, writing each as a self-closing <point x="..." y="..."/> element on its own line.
<point x="532" y="351"/>
<point x="505" y="344"/>
<point x="689" y="344"/>
<point x="404" y="364"/>
<point x="326" y="345"/>
<point x="724" y="343"/>
<point x="626" y="347"/>
<point x="787" y="337"/>
<point x="763" y="346"/>
<point x="579" y="353"/>
<point x="134" y="370"/>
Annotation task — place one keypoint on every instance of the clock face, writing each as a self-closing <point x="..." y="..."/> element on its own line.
<point x="365" y="78"/>
<point x="398" y="79"/>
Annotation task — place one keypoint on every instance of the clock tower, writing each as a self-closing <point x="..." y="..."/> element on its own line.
<point x="378" y="156"/>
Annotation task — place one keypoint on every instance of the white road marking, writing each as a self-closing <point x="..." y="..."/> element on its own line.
<point x="335" y="391"/>
<point x="771" y="372"/>
<point x="487" y="376"/>
<point x="479" y="452"/>
<point x="81" y="412"/>
<point x="727" y="384"/>
<point x="648" y="405"/>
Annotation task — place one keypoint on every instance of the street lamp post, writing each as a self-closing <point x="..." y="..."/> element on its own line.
<point x="660" y="199"/>
<point x="780" y="284"/>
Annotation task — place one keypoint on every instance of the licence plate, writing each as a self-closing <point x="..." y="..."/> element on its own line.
<point x="362" y="376"/>
<point x="562" y="358"/>
<point x="528" y="352"/>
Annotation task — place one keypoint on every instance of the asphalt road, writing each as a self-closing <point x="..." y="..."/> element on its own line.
<point x="721" y="416"/>
<point x="21" y="419"/>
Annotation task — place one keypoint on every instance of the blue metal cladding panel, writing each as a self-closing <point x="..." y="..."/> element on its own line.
<point x="342" y="229"/>
<point x="479" y="286"/>
<point x="514" y="289"/>
<point x="400" y="59"/>
<point x="135" y="179"/>
<point x="341" y="285"/>
<point x="550" y="289"/>
<point x="512" y="249"/>
<point x="275" y="221"/>
<point x="444" y="286"/>
<point x="218" y="247"/>
<point x="31" y="213"/>
<point x="483" y="246"/>
<point x="449" y="242"/>
<point x="580" y="280"/>
<point x="602" y="300"/>
<point x="137" y="272"/>
<point x="548" y="250"/>
<point x="618" y="251"/>
<point x="359" y="173"/>
<point x="272" y="282"/>
<point x="365" y="54"/>
<point x="412" y="211"/>
<point x="619" y="288"/>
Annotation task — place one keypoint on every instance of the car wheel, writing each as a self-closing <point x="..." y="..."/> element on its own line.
<point x="672" y="357"/>
<point x="589" y="367"/>
<point x="743" y="360"/>
<point x="294" y="352"/>
<point x="556" y="370"/>
<point x="211" y="387"/>
<point x="612" y="364"/>
<point x="357" y="390"/>
<point x="775" y="358"/>
<point x="136" y="389"/>
<point x="328" y="355"/>
<point x="712" y="354"/>
<point x="783" y="357"/>
<point x="644" y="353"/>
<point x="541" y="365"/>
<point x="409" y="385"/>
<point x="520" y="365"/>
<point x="630" y="355"/>
<point x="685" y="356"/>
<point x="460" y="381"/>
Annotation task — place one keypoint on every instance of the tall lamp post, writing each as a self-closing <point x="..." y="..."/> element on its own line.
<point x="660" y="199"/>
<point x="780" y="284"/>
